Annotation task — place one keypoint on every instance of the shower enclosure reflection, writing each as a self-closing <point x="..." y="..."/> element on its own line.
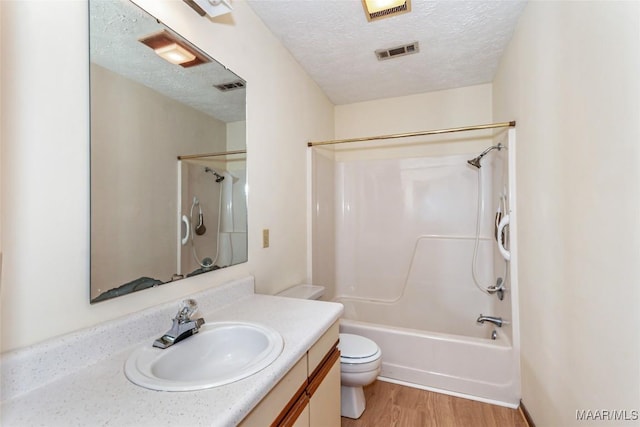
<point x="146" y="114"/>
<point x="213" y="215"/>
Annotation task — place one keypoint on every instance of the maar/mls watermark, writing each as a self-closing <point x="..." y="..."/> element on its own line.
<point x="607" y="414"/>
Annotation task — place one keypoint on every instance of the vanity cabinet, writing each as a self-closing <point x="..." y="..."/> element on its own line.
<point x="309" y="394"/>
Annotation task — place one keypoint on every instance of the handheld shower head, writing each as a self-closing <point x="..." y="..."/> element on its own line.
<point x="476" y="160"/>
<point x="199" y="229"/>
<point x="219" y="178"/>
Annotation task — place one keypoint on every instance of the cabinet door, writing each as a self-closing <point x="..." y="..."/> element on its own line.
<point x="324" y="406"/>
<point x="276" y="404"/>
<point x="322" y="348"/>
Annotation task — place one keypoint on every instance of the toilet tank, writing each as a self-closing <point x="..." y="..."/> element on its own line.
<point x="303" y="291"/>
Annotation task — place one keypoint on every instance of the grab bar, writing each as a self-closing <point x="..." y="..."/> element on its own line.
<point x="503" y="251"/>
<point x="187" y="228"/>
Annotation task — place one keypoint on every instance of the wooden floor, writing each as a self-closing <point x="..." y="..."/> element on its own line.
<point x="392" y="405"/>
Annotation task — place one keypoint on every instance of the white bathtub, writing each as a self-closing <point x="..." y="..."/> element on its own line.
<point x="475" y="368"/>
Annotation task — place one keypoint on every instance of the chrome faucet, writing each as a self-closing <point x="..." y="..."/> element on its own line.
<point x="495" y="320"/>
<point x="183" y="326"/>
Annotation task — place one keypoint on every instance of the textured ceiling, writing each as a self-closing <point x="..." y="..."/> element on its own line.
<point x="461" y="43"/>
<point x="116" y="26"/>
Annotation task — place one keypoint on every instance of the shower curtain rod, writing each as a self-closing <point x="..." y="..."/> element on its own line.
<point x="200" y="156"/>
<point x="407" y="135"/>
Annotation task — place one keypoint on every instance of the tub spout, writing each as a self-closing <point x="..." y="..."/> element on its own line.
<point x="495" y="320"/>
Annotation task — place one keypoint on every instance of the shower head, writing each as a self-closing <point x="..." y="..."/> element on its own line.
<point x="219" y="178"/>
<point x="475" y="162"/>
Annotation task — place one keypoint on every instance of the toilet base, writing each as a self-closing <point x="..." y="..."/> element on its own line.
<point x="352" y="402"/>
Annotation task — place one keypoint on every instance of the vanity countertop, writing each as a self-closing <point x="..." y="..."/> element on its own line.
<point x="99" y="394"/>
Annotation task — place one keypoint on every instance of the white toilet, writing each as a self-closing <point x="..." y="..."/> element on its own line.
<point x="360" y="359"/>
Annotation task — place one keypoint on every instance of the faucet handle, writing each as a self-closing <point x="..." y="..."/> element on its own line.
<point x="187" y="309"/>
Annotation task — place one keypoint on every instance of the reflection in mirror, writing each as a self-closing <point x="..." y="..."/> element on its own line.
<point x="168" y="156"/>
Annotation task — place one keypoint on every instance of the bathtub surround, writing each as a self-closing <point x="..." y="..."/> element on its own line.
<point x="385" y="195"/>
<point x="405" y="238"/>
<point x="406" y="232"/>
<point x="79" y="378"/>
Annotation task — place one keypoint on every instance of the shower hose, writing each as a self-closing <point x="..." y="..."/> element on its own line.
<point x="489" y="289"/>
<point x="195" y="203"/>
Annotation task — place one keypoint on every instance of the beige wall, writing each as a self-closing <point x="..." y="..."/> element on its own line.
<point x="469" y="105"/>
<point x="236" y="136"/>
<point x="45" y="130"/>
<point x="570" y="79"/>
<point x="434" y="110"/>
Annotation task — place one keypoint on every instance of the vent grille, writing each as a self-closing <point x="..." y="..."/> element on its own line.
<point x="225" y="87"/>
<point x="385" y="13"/>
<point x="394" y="52"/>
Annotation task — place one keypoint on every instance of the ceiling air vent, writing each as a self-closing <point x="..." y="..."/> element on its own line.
<point x="225" y="87"/>
<point x="394" y="52"/>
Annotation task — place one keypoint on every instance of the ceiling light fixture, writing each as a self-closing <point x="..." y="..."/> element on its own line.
<point x="212" y="8"/>
<point x="378" y="9"/>
<point x="171" y="48"/>
<point x="175" y="54"/>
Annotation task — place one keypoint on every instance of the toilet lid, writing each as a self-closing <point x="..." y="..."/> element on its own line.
<point x="356" y="347"/>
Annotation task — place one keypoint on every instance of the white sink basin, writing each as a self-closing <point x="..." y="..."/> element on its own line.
<point x="221" y="353"/>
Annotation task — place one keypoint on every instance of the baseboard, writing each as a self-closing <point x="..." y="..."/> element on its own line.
<point x="448" y="392"/>
<point x="526" y="415"/>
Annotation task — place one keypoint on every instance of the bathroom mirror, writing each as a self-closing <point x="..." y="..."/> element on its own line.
<point x="168" y="155"/>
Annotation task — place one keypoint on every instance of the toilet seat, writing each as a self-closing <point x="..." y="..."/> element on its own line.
<point x="357" y="350"/>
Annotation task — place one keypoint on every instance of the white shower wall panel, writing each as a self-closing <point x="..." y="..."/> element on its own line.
<point x="398" y="217"/>
<point x="438" y="294"/>
<point x="323" y="223"/>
